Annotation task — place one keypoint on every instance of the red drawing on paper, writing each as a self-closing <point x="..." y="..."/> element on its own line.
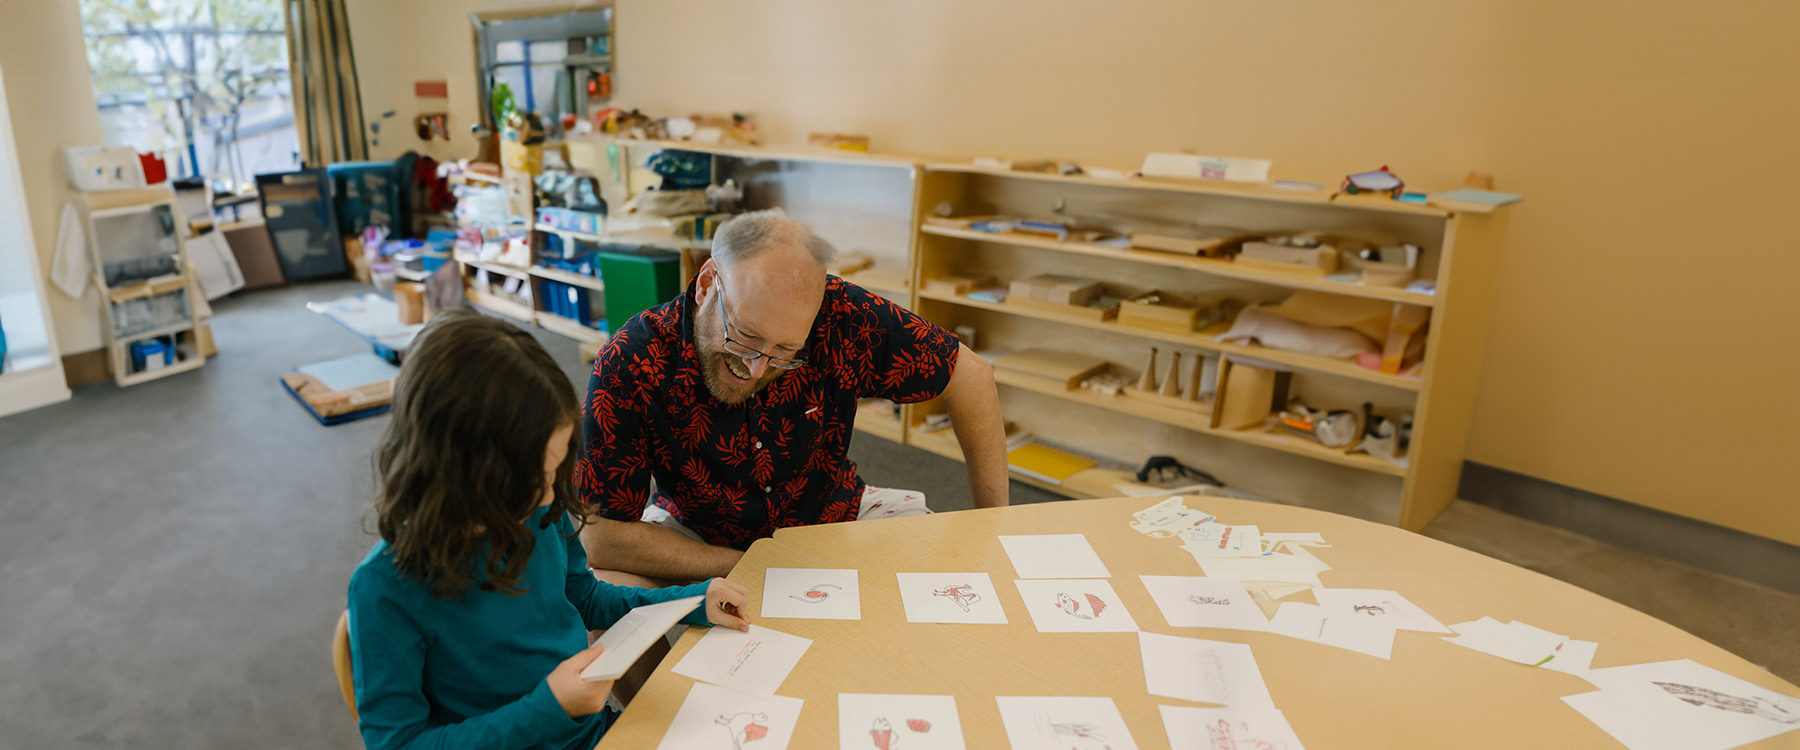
<point x="963" y="594"/>
<point x="816" y="594"/>
<point x="1075" y="735"/>
<point x="918" y="725"/>
<point x="883" y="735"/>
<point x="1068" y="604"/>
<point x="744" y="727"/>
<point x="1221" y="737"/>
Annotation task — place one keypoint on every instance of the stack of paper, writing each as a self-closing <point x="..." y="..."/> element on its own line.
<point x="1167" y="518"/>
<point x="1680" y="704"/>
<point x="1296" y="545"/>
<point x="1516" y="641"/>
<point x="1195" y="602"/>
<point x="1275" y="576"/>
<point x="1212" y="540"/>
<point x="1046" y="464"/>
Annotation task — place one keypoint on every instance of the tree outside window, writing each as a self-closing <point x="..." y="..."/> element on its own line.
<point x="202" y="83"/>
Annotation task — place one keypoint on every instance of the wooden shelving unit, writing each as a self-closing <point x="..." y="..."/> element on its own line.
<point x="1459" y="249"/>
<point x="126" y="226"/>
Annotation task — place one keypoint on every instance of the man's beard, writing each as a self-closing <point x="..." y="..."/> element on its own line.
<point x="715" y="362"/>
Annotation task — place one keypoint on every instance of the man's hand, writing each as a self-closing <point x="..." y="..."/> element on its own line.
<point x="725" y="602"/>
<point x="577" y="696"/>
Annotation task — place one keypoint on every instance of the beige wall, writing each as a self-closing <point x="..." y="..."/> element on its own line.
<point x="1648" y="315"/>
<point x="51" y="98"/>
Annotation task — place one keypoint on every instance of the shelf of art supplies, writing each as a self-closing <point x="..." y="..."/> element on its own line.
<point x="1213" y="266"/>
<point x="1258" y="191"/>
<point x="1197" y="422"/>
<point x="500" y="305"/>
<point x="471" y="260"/>
<point x="567" y="277"/>
<point x="645" y="237"/>
<point x="1201" y="340"/>
<point x="1086" y="484"/>
<point x="775" y="153"/>
<point x="1458" y="253"/>
<point x="558" y="324"/>
<point x="167" y="330"/>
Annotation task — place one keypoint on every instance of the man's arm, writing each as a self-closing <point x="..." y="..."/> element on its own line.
<point x="974" y="407"/>
<point x="656" y="551"/>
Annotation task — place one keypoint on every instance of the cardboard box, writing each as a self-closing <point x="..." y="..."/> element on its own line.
<point x="1248" y="395"/>
<point x="1172" y="312"/>
<point x="958" y="283"/>
<point x="255" y="253"/>
<point x="1099" y="310"/>
<point x="409" y="296"/>
<point x="1066" y="369"/>
<point x="1062" y="290"/>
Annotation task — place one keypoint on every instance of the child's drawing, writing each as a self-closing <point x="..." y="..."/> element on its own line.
<point x="744" y="727"/>
<point x="1223" y="601"/>
<point x="1069" y="605"/>
<point x="817" y="593"/>
<point x="883" y="735"/>
<point x="1074" y="735"/>
<point x="1756" y="706"/>
<point x="920" y="726"/>
<point x="1220" y="737"/>
<point x="963" y="594"/>
<point x="1372" y="610"/>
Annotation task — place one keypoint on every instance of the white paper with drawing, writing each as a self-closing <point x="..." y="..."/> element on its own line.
<point x="1203" y="671"/>
<point x="1168" y="517"/>
<point x="1381" y="607"/>
<point x="714" y="717"/>
<point x="1274" y="569"/>
<point x="811" y="594"/>
<point x="898" y="722"/>
<point x="1195" y="602"/>
<point x="1525" y="644"/>
<point x="1053" y="556"/>
<point x="1297" y="545"/>
<point x="634" y="634"/>
<point x="1075" y="606"/>
<point x="1039" y="723"/>
<point x="1212" y="539"/>
<point x="1308" y="622"/>
<point x="950" y="597"/>
<point x="1683" y="704"/>
<point x="755" y="662"/>
<point x="1228" y="729"/>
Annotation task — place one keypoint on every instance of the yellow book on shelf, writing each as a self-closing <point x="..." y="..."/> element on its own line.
<point x="1045" y="463"/>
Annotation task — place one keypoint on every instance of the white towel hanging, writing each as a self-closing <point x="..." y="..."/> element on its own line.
<point x="70" y="267"/>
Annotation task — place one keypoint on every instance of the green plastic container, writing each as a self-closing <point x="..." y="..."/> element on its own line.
<point x="637" y="280"/>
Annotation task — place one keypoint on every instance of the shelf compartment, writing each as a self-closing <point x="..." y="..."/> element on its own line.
<point x="1246" y="191"/>
<point x="570" y="328"/>
<point x="567" y="277"/>
<point x="500" y="305"/>
<point x="1211" y="266"/>
<point x="1202" y="340"/>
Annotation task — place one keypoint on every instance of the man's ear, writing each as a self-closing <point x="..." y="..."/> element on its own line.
<point x="704" y="280"/>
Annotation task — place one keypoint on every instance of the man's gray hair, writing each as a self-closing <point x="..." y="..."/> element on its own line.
<point x="744" y="236"/>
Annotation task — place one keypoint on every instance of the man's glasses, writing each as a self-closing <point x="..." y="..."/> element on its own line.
<point x="739" y="350"/>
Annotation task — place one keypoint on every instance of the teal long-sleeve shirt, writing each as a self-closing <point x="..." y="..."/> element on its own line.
<point x="434" y="673"/>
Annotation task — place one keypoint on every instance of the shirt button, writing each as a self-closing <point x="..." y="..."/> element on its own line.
<point x="765" y="489"/>
<point x="759" y="443"/>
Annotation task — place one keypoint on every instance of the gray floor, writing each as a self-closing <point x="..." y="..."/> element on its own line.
<point x="174" y="555"/>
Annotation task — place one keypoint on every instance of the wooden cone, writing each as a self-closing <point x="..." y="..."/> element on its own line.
<point x="1147" y="381"/>
<point x="1171" y="385"/>
<point x="1193" y="392"/>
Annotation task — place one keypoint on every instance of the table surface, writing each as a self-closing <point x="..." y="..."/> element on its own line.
<point x="1431" y="694"/>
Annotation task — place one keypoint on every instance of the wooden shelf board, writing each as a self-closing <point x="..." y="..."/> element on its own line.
<point x="566" y="277"/>
<point x="1253" y="191"/>
<point x="182" y="327"/>
<point x="470" y="259"/>
<point x="1202" y="340"/>
<point x="501" y="306"/>
<point x="571" y="328"/>
<point x="149" y="288"/>
<point x="1221" y="268"/>
<point x="1088" y="484"/>
<point x="191" y="363"/>
<point x="589" y="236"/>
<point x="1197" y="422"/>
<point x="789" y="153"/>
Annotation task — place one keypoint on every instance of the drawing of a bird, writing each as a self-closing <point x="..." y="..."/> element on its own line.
<point x="1068" y="604"/>
<point x="883" y="735"/>
<point x="744" y="727"/>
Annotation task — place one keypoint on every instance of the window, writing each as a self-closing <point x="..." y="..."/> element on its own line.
<point x="202" y="83"/>
<point x="554" y="65"/>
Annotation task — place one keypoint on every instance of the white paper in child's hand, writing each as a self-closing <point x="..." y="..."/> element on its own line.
<point x="1053" y="556"/>
<point x="712" y="716"/>
<point x="811" y="593"/>
<point x="898" y="722"/>
<point x="950" y="597"/>
<point x="755" y="662"/>
<point x="1041" y="723"/>
<point x="1075" y="606"/>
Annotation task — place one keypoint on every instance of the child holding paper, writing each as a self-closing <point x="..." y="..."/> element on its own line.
<point x="469" y="619"/>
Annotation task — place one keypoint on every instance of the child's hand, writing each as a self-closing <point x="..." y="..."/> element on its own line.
<point x="725" y="604"/>
<point x="578" y="696"/>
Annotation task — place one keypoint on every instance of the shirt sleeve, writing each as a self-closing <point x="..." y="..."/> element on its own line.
<point x="910" y="359"/>
<point x="601" y="604"/>
<point x="387" y="653"/>
<point x="612" y="474"/>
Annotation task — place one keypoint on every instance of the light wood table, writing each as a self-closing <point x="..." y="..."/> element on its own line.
<point x="1431" y="694"/>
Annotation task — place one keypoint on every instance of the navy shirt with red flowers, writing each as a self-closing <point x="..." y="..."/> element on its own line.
<point x="735" y="474"/>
